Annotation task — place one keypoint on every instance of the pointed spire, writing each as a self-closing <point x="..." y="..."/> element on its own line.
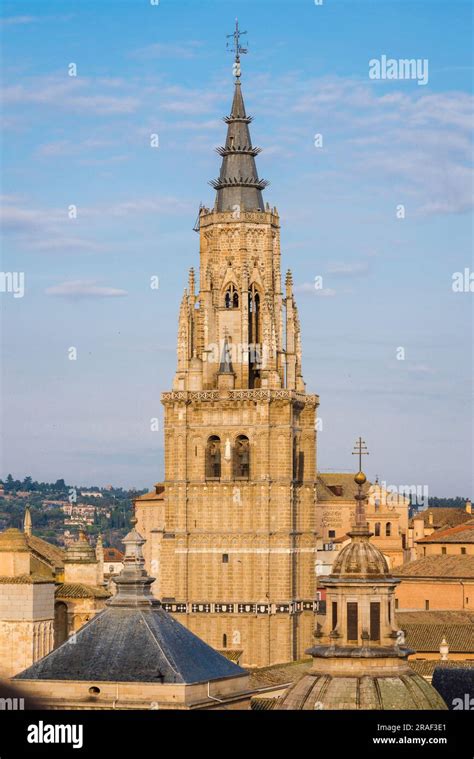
<point x="27" y="523"/>
<point x="238" y="185"/>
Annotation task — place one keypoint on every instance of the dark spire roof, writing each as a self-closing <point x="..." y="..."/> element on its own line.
<point x="238" y="183"/>
<point x="133" y="639"/>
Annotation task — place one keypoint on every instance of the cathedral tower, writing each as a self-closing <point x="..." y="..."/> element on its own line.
<point x="232" y="535"/>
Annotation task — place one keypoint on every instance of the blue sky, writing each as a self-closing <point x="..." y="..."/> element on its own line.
<point x="85" y="140"/>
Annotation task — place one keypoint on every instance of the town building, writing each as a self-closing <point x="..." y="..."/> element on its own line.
<point x="387" y="514"/>
<point x="437" y="582"/>
<point x="425" y="523"/>
<point x="453" y="541"/>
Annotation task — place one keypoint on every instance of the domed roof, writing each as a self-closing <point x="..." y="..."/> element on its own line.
<point x="403" y="690"/>
<point x="360" y="558"/>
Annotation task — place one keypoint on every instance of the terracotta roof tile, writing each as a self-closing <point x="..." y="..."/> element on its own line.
<point x="426" y="667"/>
<point x="112" y="554"/>
<point x="53" y="554"/>
<point x="78" y="590"/>
<point x="443" y="517"/>
<point x="438" y="566"/>
<point x="426" y="629"/>
<point x="26" y="579"/>
<point x="462" y="533"/>
<point x="279" y="674"/>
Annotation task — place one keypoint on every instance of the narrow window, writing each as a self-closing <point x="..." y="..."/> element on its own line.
<point x="224" y="641"/>
<point x="427" y="605"/>
<point x="377" y="529"/>
<point x="443" y="549"/>
<point x="254" y="336"/>
<point x="231" y="297"/>
<point x="241" y="467"/>
<point x="374" y="620"/>
<point x="334" y="615"/>
<point x="388" y="529"/>
<point x="213" y="458"/>
<point x="463" y="549"/>
<point x="396" y="603"/>
<point x="352" y="621"/>
<point x="225" y="558"/>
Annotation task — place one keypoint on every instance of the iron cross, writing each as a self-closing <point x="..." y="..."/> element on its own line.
<point x="360" y="449"/>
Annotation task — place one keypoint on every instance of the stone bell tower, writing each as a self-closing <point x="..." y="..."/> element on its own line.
<point x="233" y="538"/>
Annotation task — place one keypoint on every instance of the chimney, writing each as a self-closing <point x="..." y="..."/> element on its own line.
<point x="468" y="507"/>
<point x="430" y="518"/>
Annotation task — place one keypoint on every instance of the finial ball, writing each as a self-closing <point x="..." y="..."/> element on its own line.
<point x="360" y="478"/>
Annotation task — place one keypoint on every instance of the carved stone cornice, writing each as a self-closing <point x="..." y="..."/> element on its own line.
<point x="257" y="394"/>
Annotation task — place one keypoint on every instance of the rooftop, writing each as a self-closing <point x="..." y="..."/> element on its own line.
<point x="425" y="630"/>
<point x="133" y="645"/>
<point x="80" y="590"/>
<point x="462" y="533"/>
<point x="342" y="483"/>
<point x="443" y="517"/>
<point x="459" y="567"/>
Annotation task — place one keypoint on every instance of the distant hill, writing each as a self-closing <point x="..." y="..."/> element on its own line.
<point x="447" y="503"/>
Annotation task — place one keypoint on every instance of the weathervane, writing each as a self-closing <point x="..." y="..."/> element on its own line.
<point x="360" y="449"/>
<point x="237" y="49"/>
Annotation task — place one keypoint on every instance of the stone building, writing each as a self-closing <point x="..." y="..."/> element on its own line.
<point x="425" y="523"/>
<point x="46" y="594"/>
<point x="82" y="592"/>
<point x="437" y="582"/>
<point x="134" y="655"/>
<point x="360" y="657"/>
<point x="231" y="532"/>
<point x="387" y="515"/>
<point x="453" y="541"/>
<point x="27" y="588"/>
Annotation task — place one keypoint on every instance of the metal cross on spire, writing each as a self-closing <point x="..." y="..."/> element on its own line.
<point x="360" y="449"/>
<point x="237" y="49"/>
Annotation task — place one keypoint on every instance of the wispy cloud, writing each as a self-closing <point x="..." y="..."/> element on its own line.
<point x="308" y="288"/>
<point x="18" y="20"/>
<point x="70" y="93"/>
<point x="354" y="269"/>
<point x="417" y="144"/>
<point x="188" y="49"/>
<point x="84" y="289"/>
